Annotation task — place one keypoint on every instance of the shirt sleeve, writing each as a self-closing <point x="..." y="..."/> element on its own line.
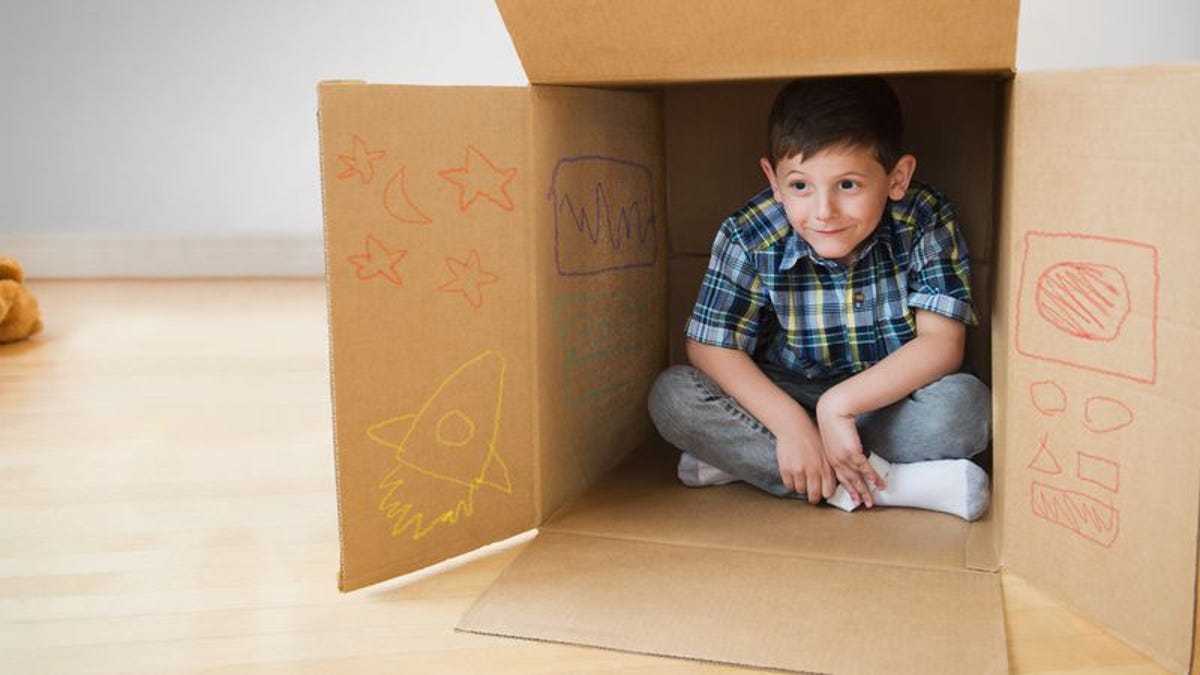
<point x="939" y="278"/>
<point x="731" y="297"/>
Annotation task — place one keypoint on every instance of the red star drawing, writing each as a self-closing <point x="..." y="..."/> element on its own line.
<point x="362" y="162"/>
<point x="478" y="177"/>
<point x="468" y="278"/>
<point x="378" y="260"/>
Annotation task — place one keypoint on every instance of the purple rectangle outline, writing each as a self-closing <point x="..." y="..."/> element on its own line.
<point x="651" y="223"/>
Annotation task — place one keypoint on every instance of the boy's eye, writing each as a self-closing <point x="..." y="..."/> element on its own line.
<point x="847" y="184"/>
<point x="799" y="185"/>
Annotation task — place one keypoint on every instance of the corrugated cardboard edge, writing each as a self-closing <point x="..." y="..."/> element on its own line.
<point x="337" y="474"/>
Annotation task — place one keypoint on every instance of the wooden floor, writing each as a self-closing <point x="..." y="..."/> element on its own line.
<point x="168" y="506"/>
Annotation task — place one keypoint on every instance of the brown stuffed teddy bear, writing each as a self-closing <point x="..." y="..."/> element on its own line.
<point x="19" y="317"/>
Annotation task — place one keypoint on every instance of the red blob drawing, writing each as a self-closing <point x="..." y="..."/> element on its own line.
<point x="1048" y="397"/>
<point x="1102" y="414"/>
<point x="1086" y="516"/>
<point x="1088" y="301"/>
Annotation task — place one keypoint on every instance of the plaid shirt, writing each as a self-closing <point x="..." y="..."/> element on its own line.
<point x="769" y="294"/>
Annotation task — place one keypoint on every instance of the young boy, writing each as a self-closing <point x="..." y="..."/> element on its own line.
<point x="831" y="322"/>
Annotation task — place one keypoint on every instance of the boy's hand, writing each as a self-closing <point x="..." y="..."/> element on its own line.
<point x="803" y="465"/>
<point x="844" y="450"/>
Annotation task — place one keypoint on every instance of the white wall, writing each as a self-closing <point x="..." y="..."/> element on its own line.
<point x="178" y="137"/>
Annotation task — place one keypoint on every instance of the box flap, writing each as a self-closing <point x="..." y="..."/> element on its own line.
<point x="730" y="574"/>
<point x="1103" y="314"/>
<point x="426" y="209"/>
<point x="633" y="41"/>
<point x="599" y="251"/>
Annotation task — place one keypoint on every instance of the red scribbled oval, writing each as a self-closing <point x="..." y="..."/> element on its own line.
<point x="1085" y="300"/>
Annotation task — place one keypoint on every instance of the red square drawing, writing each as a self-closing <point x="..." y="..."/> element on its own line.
<point x="1089" y="302"/>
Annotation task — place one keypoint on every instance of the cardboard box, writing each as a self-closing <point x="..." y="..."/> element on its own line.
<point x="498" y="262"/>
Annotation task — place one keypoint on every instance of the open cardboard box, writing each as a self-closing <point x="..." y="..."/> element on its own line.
<point x="507" y="266"/>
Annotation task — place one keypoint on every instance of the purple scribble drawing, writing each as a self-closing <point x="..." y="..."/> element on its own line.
<point x="603" y="215"/>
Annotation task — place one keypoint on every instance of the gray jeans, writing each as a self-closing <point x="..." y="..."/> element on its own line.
<point x="948" y="419"/>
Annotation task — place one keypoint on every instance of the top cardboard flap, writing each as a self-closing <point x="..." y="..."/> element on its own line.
<point x="429" y="280"/>
<point x="1102" y="314"/>
<point x="633" y="41"/>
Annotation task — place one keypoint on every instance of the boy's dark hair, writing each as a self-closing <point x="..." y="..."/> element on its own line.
<point x="811" y="115"/>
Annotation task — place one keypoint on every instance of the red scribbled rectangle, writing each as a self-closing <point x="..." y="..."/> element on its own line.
<point x="1089" y="302"/>
<point x="1082" y="514"/>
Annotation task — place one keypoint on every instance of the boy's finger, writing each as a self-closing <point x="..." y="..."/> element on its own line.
<point x="828" y="483"/>
<point x="814" y="488"/>
<point x="847" y="481"/>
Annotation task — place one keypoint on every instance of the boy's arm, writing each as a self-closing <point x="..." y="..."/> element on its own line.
<point x="935" y="352"/>
<point x="802" y="462"/>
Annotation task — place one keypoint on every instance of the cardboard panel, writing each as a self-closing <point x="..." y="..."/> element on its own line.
<point x="642" y="500"/>
<point x="631" y="41"/>
<point x="599" y="252"/>
<point x="1103" y="313"/>
<point x="427" y="222"/>
<point x="747" y="607"/>
<point x="715" y="136"/>
<point x="683" y="286"/>
<point x="717" y="133"/>
<point x="951" y="128"/>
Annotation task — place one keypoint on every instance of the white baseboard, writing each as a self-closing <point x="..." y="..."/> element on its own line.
<point x="154" y="255"/>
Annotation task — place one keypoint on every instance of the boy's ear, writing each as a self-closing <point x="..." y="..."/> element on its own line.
<point x="769" y="169"/>
<point x="901" y="176"/>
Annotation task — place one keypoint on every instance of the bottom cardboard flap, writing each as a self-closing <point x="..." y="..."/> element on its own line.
<point x="750" y="608"/>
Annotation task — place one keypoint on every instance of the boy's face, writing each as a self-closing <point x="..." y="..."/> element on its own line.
<point x="835" y="199"/>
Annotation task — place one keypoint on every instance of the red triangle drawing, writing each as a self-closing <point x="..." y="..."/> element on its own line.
<point x="1045" y="461"/>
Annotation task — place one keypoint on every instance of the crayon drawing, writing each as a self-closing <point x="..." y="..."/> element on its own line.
<point x="399" y="205"/>
<point x="480" y="177"/>
<point x="603" y="215"/>
<point x="1089" y="302"/>
<point x="1048" y="397"/>
<point x="377" y="260"/>
<point x="1103" y="415"/>
<point x="361" y="161"/>
<point x="603" y="352"/>
<point x="468" y="279"/>
<point x="1082" y="514"/>
<point x="445" y="451"/>
<point x="1098" y="471"/>
<point x="1045" y="461"/>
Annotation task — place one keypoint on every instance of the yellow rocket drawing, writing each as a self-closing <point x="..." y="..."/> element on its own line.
<point x="446" y="450"/>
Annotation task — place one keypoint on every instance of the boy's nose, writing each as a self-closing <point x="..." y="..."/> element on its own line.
<point x="825" y="207"/>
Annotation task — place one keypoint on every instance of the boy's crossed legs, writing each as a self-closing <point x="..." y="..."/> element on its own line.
<point x="929" y="436"/>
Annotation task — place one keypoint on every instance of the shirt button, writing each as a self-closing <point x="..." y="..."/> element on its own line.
<point x="858" y="299"/>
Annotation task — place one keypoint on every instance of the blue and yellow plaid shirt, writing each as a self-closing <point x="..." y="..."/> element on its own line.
<point x="769" y="294"/>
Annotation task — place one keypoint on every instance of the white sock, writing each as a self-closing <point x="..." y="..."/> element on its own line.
<point x="955" y="486"/>
<point x="693" y="472"/>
